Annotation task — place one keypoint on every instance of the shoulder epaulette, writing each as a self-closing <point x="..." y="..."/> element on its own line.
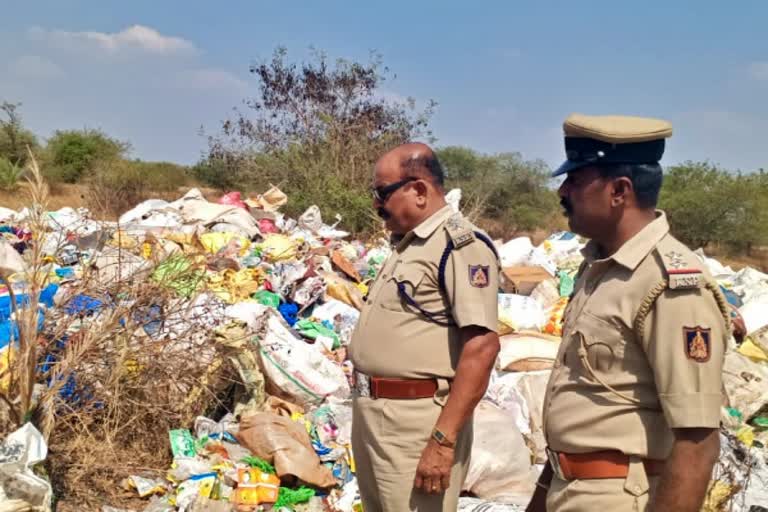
<point x="681" y="274"/>
<point x="459" y="231"/>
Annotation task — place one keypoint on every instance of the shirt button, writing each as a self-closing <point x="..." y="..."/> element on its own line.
<point x="638" y="489"/>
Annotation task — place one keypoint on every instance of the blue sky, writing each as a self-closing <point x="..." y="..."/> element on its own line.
<point x="505" y="74"/>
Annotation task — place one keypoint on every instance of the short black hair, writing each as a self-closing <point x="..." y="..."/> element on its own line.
<point x="425" y="164"/>
<point x="646" y="180"/>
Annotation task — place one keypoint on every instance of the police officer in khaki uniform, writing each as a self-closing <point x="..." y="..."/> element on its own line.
<point x="632" y="409"/>
<point x="425" y="344"/>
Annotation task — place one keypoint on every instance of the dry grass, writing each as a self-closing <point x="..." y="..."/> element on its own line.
<point x="76" y="196"/>
<point x="63" y="195"/>
<point x="121" y="387"/>
<point x="108" y="384"/>
<point x="757" y="258"/>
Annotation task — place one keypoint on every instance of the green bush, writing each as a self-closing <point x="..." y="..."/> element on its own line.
<point x="708" y="205"/>
<point x="72" y="154"/>
<point x="10" y="174"/>
<point x="163" y="177"/>
<point x="215" y="173"/>
<point x="503" y="188"/>
<point x="14" y="138"/>
<point x="115" y="186"/>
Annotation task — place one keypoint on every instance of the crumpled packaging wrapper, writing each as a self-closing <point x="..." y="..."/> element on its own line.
<point x="286" y="445"/>
<point x="269" y="201"/>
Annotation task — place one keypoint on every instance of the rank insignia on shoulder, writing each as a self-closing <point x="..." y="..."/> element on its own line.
<point x="479" y="275"/>
<point x="684" y="278"/>
<point x="454" y="221"/>
<point x="697" y="343"/>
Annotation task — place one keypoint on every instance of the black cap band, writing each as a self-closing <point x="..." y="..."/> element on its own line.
<point x="591" y="151"/>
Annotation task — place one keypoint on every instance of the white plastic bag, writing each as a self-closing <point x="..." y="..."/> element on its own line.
<point x="500" y="467"/>
<point x="521" y="313"/>
<point x="453" y="198"/>
<point x="522" y="395"/>
<point x="745" y="384"/>
<point x="143" y="211"/>
<point x="311" y="219"/>
<point x="297" y="369"/>
<point x="467" y="504"/>
<point x="515" y="252"/>
<point x="11" y="261"/>
<point x="20" y="451"/>
<point x="7" y="215"/>
<point x="247" y="312"/>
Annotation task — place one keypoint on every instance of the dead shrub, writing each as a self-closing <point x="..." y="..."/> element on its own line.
<point x="120" y="378"/>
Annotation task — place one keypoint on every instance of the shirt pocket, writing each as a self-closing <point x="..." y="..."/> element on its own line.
<point x="602" y="342"/>
<point x="406" y="278"/>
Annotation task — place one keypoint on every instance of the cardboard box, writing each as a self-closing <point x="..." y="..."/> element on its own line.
<point x="522" y="279"/>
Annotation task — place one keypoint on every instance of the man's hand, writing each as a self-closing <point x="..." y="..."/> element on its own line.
<point x="683" y="484"/>
<point x="433" y="474"/>
<point x="738" y="326"/>
<point x="472" y="374"/>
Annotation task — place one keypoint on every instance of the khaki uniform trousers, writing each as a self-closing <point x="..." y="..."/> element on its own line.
<point x="388" y="437"/>
<point x="631" y="494"/>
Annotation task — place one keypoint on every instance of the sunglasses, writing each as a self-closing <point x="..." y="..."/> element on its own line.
<point x="381" y="194"/>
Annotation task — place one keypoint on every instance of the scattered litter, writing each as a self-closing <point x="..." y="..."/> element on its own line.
<point x="266" y="305"/>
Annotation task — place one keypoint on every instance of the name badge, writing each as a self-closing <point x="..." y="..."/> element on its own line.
<point x="686" y="280"/>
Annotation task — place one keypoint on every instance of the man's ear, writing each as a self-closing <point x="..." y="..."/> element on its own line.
<point x="422" y="191"/>
<point x="621" y="191"/>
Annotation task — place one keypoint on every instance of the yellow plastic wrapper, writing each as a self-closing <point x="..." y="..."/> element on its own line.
<point x="746" y="435"/>
<point x="718" y="494"/>
<point x="554" y="325"/>
<point x="279" y="248"/>
<point x="186" y="241"/>
<point x="752" y="351"/>
<point x="343" y="290"/>
<point x="255" y="487"/>
<point x="363" y="288"/>
<point x="300" y="418"/>
<point x="146" y="250"/>
<point x="214" y="242"/>
<point x="236" y="286"/>
<point x="505" y="325"/>
<point x="123" y="241"/>
<point x="6" y="356"/>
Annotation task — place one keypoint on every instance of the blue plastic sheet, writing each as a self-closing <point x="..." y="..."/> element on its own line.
<point x="83" y="304"/>
<point x="290" y="312"/>
<point x="22" y="300"/>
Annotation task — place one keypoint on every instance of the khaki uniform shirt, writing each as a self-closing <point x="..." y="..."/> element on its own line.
<point x="392" y="338"/>
<point x="674" y="371"/>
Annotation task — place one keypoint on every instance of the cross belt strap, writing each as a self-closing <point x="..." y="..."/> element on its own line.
<point x="442" y="318"/>
<point x="597" y="465"/>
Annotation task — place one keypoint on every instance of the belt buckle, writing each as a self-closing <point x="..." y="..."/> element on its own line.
<point x="362" y="385"/>
<point x="554" y="462"/>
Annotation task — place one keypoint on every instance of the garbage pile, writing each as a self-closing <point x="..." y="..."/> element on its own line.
<point x="237" y="289"/>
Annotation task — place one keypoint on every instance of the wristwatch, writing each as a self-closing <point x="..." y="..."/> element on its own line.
<point x="442" y="439"/>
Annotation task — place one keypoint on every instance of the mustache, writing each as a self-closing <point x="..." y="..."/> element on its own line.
<point x="382" y="213"/>
<point x="566" y="206"/>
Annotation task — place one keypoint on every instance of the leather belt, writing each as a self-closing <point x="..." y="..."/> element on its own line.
<point x="595" y="465"/>
<point x="392" y="388"/>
